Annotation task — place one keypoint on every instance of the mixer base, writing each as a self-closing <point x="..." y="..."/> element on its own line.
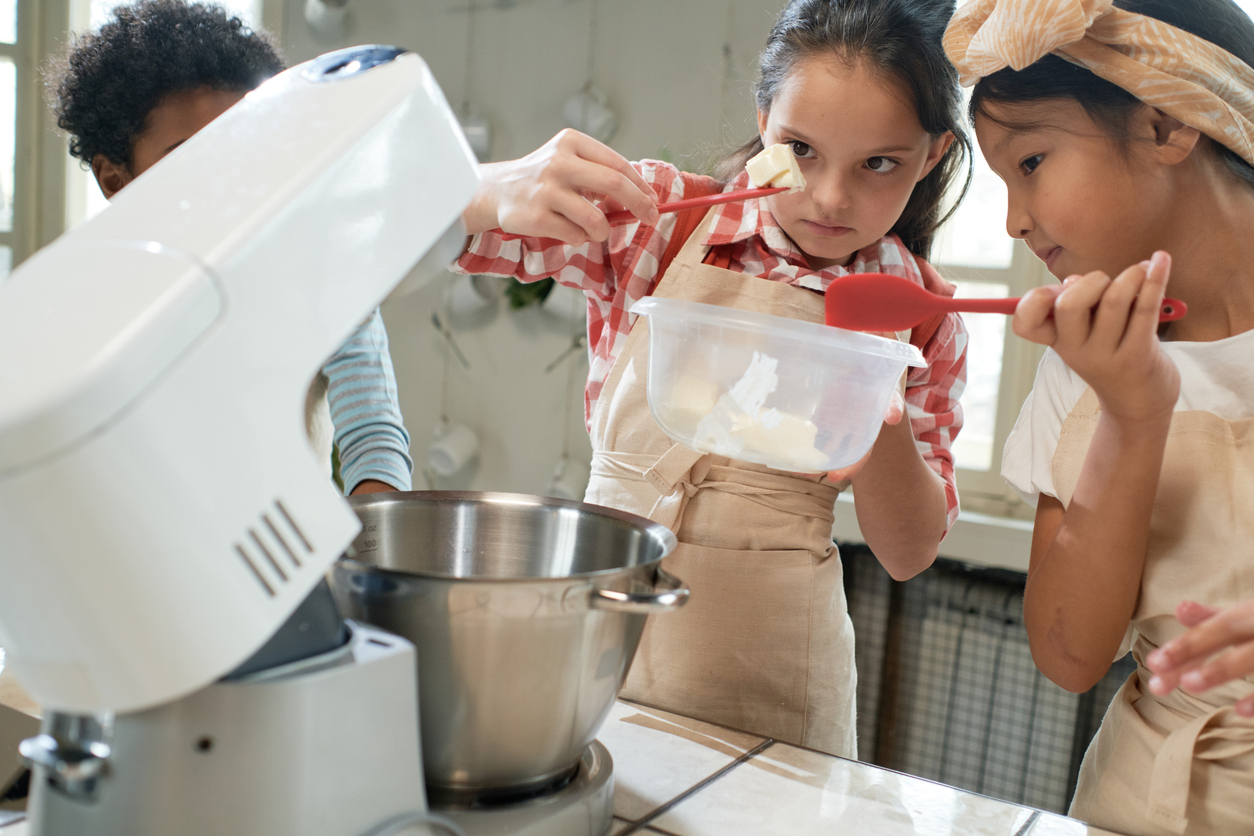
<point x="583" y="807"/>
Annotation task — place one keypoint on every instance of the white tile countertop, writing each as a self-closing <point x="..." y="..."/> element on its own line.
<point x="682" y="777"/>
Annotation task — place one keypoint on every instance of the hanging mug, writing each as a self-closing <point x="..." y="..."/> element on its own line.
<point x="454" y="447"/>
<point x="569" y="480"/>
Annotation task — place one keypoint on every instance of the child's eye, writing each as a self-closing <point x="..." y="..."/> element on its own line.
<point x="881" y="165"/>
<point x="800" y="149"/>
<point x="1029" y="164"/>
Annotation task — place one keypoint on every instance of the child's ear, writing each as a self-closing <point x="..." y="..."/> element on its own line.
<point x="762" y="126"/>
<point x="109" y="175"/>
<point x="1173" y="140"/>
<point x="936" y="153"/>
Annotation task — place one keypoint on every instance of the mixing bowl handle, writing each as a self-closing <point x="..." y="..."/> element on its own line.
<point x="669" y="593"/>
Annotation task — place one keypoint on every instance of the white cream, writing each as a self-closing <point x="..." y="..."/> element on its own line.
<point x="691" y="400"/>
<point x="738" y="424"/>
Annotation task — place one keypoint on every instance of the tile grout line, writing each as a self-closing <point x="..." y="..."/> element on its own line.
<point x="1027" y="825"/>
<point x="700" y="785"/>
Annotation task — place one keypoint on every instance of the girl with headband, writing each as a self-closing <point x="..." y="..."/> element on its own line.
<point x="1123" y="132"/>
<point x="862" y="92"/>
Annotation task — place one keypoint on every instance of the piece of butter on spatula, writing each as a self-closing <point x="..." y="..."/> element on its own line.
<point x="776" y="166"/>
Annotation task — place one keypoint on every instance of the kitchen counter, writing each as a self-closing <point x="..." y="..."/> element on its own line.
<point x="677" y="776"/>
<point x="682" y="777"/>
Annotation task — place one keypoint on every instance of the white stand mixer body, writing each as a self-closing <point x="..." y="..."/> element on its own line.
<point x="161" y="512"/>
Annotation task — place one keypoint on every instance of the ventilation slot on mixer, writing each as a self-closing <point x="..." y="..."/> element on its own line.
<point x="248" y="561"/>
<point x="272" y="551"/>
<point x="269" y="557"/>
<point x="291" y="523"/>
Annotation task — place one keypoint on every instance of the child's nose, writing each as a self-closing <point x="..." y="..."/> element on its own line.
<point x="1018" y="220"/>
<point x="830" y="191"/>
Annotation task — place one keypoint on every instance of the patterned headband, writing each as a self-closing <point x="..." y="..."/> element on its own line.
<point x="1181" y="74"/>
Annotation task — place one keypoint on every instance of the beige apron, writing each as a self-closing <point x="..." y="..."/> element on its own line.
<point x="765" y="643"/>
<point x="1179" y="764"/>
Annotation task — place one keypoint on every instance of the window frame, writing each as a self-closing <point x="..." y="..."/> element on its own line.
<point x="38" y="28"/>
<point x="985" y="491"/>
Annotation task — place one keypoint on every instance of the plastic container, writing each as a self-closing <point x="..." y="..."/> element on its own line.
<point x="792" y="395"/>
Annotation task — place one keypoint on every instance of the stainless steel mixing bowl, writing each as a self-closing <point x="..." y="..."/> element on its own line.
<point x="526" y="612"/>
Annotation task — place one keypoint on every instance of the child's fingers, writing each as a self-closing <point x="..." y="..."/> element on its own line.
<point x="551" y="219"/>
<point x="1191" y="613"/>
<point x="581" y="212"/>
<point x="614" y="176"/>
<point x="1232" y="626"/>
<point x="1236" y="663"/>
<point x="536" y="221"/>
<point x="1164" y="683"/>
<point x="1245" y="706"/>
<point x="896" y="408"/>
<point x="1073" y="309"/>
<point x="1114" y="310"/>
<point x="1143" y="319"/>
<point x="1033" y="319"/>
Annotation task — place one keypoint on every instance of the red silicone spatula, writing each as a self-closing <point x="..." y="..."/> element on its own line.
<point x="882" y="302"/>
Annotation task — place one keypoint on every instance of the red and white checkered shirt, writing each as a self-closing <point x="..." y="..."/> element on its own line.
<point x="615" y="273"/>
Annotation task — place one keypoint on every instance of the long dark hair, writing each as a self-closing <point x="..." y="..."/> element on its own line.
<point x="1111" y="107"/>
<point x="901" y="41"/>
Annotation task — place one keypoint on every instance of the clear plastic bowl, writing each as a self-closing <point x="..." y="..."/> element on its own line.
<point x="792" y="395"/>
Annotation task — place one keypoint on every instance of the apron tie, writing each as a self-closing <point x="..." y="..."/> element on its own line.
<point x="679" y="473"/>
<point x="1172" y="775"/>
<point x="1172" y="772"/>
<point x="667" y="476"/>
<point x="668" y="471"/>
<point x="1215" y="732"/>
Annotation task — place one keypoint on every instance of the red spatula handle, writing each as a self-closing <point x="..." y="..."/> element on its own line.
<point x="1001" y="306"/>
<point x="1171" y="310"/>
<point x="698" y="202"/>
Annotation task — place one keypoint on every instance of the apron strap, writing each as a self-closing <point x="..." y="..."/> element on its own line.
<point x="673" y="466"/>
<point x="677" y="476"/>
<point x="1172" y="775"/>
<point x="1210" y="736"/>
<point x="679" y="473"/>
<point x="687" y="221"/>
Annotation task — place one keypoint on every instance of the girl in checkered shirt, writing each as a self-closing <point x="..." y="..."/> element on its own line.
<point x="861" y="91"/>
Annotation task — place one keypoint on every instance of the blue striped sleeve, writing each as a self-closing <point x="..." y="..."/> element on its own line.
<point x="361" y="392"/>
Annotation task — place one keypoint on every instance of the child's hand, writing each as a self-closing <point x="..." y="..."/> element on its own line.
<point x="1182" y="662"/>
<point x="1107" y="331"/>
<point x="896" y="409"/>
<point x="549" y="193"/>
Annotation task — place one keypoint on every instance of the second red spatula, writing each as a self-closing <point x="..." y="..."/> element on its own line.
<point x="883" y="302"/>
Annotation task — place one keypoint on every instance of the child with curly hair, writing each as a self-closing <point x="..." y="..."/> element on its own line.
<point x="130" y="93"/>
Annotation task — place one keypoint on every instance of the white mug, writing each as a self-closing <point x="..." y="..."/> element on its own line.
<point x="469" y="296"/>
<point x="478" y="132"/>
<point x="453" y="448"/>
<point x="588" y="111"/>
<point x="569" y="480"/>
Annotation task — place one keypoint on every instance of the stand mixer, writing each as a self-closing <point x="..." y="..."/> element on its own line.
<point x="170" y="616"/>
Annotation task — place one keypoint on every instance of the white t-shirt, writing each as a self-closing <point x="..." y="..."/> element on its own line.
<point x="1217" y="377"/>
